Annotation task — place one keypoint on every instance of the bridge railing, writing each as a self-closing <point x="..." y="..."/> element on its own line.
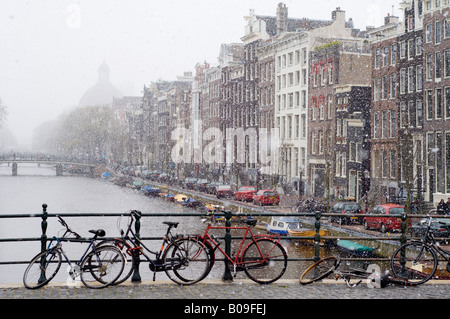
<point x="314" y="218"/>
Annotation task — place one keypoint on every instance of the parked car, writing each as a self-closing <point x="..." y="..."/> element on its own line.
<point x="245" y="193"/>
<point x="201" y="184"/>
<point x="440" y="227"/>
<point x="266" y="197"/>
<point x="347" y="208"/>
<point x="224" y="191"/>
<point x="384" y="223"/>
<point x="189" y="182"/>
<point x="211" y="188"/>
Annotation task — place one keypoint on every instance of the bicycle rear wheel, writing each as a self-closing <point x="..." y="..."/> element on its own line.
<point x="129" y="255"/>
<point x="319" y="270"/>
<point x="186" y="261"/>
<point x="102" y="267"/>
<point x="42" y="269"/>
<point x="416" y="262"/>
<point x="264" y="261"/>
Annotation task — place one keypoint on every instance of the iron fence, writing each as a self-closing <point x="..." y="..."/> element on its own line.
<point x="314" y="218"/>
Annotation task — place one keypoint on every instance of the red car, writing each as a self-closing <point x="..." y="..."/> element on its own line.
<point x="224" y="191"/>
<point x="266" y="197"/>
<point x="245" y="193"/>
<point x="385" y="223"/>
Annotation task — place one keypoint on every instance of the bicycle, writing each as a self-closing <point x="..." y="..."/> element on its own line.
<point x="185" y="260"/>
<point x="97" y="268"/>
<point x="352" y="277"/>
<point x="417" y="261"/>
<point x="263" y="259"/>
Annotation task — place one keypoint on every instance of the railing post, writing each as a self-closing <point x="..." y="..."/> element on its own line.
<point x="137" y="226"/>
<point x="44" y="227"/>
<point x="227" y="273"/>
<point x="403" y="226"/>
<point x="43" y="239"/>
<point x="318" y="215"/>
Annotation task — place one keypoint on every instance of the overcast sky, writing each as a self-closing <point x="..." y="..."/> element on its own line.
<point x="50" y="50"/>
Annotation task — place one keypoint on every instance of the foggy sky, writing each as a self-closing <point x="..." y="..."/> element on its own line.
<point x="50" y="50"/>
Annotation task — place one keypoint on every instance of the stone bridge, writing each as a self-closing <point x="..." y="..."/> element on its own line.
<point x="60" y="162"/>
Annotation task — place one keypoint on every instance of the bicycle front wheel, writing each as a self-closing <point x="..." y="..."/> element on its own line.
<point x="42" y="269"/>
<point x="264" y="261"/>
<point x="102" y="267"/>
<point x="319" y="270"/>
<point x="186" y="261"/>
<point x="416" y="262"/>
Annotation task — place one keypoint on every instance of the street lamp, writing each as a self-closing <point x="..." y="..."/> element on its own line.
<point x="366" y="189"/>
<point x="300" y="184"/>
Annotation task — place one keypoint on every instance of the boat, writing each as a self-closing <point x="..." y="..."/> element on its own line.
<point x="180" y="198"/>
<point x="191" y="202"/>
<point x="150" y="190"/>
<point x="307" y="232"/>
<point x="137" y="184"/>
<point x="281" y="225"/>
<point x="354" y="249"/>
<point x="106" y="175"/>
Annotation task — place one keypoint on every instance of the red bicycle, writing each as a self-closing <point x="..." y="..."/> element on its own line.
<point x="262" y="257"/>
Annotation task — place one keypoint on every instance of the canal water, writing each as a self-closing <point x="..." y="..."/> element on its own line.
<point x="34" y="186"/>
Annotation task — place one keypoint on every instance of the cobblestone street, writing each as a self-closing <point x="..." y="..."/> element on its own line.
<point x="242" y="289"/>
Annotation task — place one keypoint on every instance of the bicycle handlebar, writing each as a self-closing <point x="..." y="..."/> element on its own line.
<point x="68" y="230"/>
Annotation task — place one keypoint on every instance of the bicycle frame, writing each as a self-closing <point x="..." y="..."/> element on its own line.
<point x="74" y="272"/>
<point x="138" y="247"/>
<point x="237" y="261"/>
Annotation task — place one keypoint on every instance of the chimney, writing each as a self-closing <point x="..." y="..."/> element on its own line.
<point x="282" y="17"/>
<point x="390" y="19"/>
<point x="338" y="14"/>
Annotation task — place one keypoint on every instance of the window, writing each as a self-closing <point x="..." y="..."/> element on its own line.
<point x="411" y="49"/>
<point x="418" y="46"/>
<point x="428" y="33"/>
<point x="393" y="54"/>
<point x="393" y="84"/>
<point x="411" y="114"/>
<point x="402" y="81"/>
<point x="384" y="87"/>
<point x="392" y="163"/>
<point x="447" y="29"/>
<point x="385" y="56"/>
<point x="438" y="103"/>
<point x="403" y="115"/>
<point x="411" y="80"/>
<point x="419" y="78"/>
<point x="377" y="59"/>
<point x="402" y="50"/>
<point x="437" y="30"/>
<point x="447" y="63"/>
<point x="438" y="65"/>
<point x="376" y="89"/>
<point x="393" y="124"/>
<point x="447" y="102"/>
<point x="429" y="67"/>
<point x="384" y="125"/>
<point x="376" y="123"/>
<point x="419" y="113"/>
<point x="429" y="101"/>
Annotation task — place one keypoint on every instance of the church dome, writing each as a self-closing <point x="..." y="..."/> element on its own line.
<point x="102" y="92"/>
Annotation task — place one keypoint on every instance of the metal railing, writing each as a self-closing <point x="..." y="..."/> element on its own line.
<point x="314" y="217"/>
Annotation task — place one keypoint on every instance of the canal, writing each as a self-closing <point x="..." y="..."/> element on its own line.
<point x="25" y="194"/>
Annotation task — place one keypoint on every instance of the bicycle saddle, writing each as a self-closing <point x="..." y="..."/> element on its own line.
<point x="98" y="232"/>
<point x="174" y="224"/>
